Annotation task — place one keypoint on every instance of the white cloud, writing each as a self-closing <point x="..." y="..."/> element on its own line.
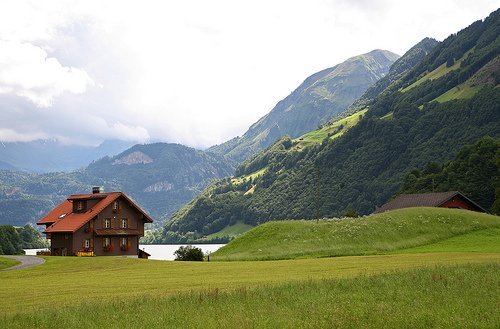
<point x="9" y="135"/>
<point x="26" y="71"/>
<point x="196" y="72"/>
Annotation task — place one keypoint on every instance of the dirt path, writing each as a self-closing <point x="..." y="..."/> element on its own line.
<point x="26" y="261"/>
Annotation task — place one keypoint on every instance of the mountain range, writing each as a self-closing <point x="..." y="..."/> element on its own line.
<point x="321" y="96"/>
<point x="163" y="177"/>
<point x="346" y="140"/>
<point x="427" y="111"/>
<point x="50" y="155"/>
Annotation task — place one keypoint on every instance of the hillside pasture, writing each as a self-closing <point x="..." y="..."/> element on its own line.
<point x="232" y="230"/>
<point x="331" y="131"/>
<point x="440" y="71"/>
<point x="374" y="234"/>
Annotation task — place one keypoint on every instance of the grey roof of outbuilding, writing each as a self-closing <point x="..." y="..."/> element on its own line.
<point x="422" y="200"/>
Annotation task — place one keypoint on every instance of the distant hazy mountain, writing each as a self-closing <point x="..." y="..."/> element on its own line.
<point x="6" y="166"/>
<point x="50" y="155"/>
<point x="318" y="98"/>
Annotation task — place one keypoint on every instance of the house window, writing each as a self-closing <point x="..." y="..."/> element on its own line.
<point x="107" y="223"/>
<point x="124" y="223"/>
<point x="66" y="236"/>
<point x="124" y="246"/>
<point x="79" y="205"/>
<point x="116" y="206"/>
<point x="87" y="243"/>
<point x="106" y="242"/>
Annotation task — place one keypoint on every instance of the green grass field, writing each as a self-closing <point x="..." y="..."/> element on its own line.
<point x="233" y="230"/>
<point x="332" y="131"/>
<point x="239" y="180"/>
<point x="7" y="262"/>
<point x="463" y="91"/>
<point x="438" y="72"/>
<point x="465" y="296"/>
<point x="487" y="240"/>
<point x="381" y="233"/>
<point x="448" y="279"/>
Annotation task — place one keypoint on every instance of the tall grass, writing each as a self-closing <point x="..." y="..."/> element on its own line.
<point x="487" y="240"/>
<point x="63" y="281"/>
<point x="465" y="296"/>
<point x="381" y="233"/>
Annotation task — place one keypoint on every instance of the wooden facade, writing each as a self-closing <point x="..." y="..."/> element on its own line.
<point x="100" y="224"/>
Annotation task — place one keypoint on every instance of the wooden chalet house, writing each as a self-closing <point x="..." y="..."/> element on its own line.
<point x="101" y="224"/>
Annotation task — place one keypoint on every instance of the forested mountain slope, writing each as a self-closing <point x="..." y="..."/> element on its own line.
<point x="321" y="96"/>
<point x="160" y="177"/>
<point x="406" y="127"/>
<point x="475" y="171"/>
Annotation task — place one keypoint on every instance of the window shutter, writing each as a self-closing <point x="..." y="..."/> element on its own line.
<point x="83" y="243"/>
<point x="128" y="242"/>
<point x="112" y="223"/>
<point x="92" y="243"/>
<point x="103" y="223"/>
<point x="112" y="241"/>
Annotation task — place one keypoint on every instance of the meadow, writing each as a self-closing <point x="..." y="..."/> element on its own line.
<point x="7" y="262"/>
<point x="450" y="279"/>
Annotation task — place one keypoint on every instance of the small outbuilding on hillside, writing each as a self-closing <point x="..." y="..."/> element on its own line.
<point x="452" y="199"/>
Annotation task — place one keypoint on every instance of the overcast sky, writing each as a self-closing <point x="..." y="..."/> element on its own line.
<point x="193" y="72"/>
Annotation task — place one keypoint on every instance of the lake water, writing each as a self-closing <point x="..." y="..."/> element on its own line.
<point x="166" y="251"/>
<point x="158" y="251"/>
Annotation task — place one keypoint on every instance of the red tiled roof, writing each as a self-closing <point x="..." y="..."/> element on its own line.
<point x="64" y="220"/>
<point x="421" y="200"/>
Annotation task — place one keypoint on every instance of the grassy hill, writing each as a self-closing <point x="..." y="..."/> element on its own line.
<point x="380" y="233"/>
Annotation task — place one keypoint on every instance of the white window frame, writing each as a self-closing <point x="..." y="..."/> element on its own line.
<point x="106" y="241"/>
<point x="124" y="222"/>
<point x="87" y="243"/>
<point x="107" y="223"/>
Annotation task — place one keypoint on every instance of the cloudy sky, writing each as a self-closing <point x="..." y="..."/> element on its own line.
<point x="193" y="72"/>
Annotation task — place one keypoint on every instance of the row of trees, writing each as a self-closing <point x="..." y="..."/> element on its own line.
<point x="14" y="239"/>
<point x="475" y="171"/>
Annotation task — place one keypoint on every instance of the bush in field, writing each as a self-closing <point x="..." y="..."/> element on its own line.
<point x="189" y="253"/>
